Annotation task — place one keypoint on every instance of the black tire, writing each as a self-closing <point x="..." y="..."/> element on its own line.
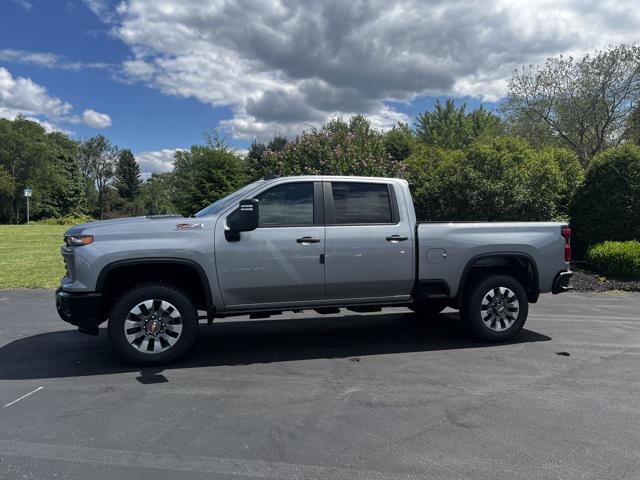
<point x="427" y="310"/>
<point x="186" y="318"/>
<point x="485" y="320"/>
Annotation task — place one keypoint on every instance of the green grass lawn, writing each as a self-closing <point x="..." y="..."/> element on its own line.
<point x="30" y="256"/>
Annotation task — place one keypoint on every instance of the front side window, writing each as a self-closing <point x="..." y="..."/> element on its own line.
<point x="355" y="203"/>
<point x="290" y="204"/>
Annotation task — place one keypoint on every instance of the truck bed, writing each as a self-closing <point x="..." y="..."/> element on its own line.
<point x="446" y="249"/>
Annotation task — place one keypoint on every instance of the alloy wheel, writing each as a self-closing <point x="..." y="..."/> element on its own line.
<point x="153" y="326"/>
<point x="499" y="308"/>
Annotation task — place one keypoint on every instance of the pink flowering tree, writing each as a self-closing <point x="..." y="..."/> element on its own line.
<point x="339" y="147"/>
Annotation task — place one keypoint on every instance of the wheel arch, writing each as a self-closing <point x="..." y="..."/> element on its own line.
<point x="521" y="266"/>
<point x="121" y="275"/>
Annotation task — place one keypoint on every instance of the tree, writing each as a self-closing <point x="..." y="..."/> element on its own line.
<point x="254" y="156"/>
<point x="127" y="176"/>
<point x="451" y="127"/>
<point x="156" y="195"/>
<point x="571" y="177"/>
<point x="633" y="125"/>
<point x="277" y="143"/>
<point x="399" y="142"/>
<point x="495" y="179"/>
<point x="204" y="174"/>
<point x="585" y="104"/>
<point x="30" y="157"/>
<point x="7" y="187"/>
<point x="72" y="196"/>
<point x="339" y="147"/>
<point x="97" y="161"/>
<point x="23" y="153"/>
<point x="257" y="150"/>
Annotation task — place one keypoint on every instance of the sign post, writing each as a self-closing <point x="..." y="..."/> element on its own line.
<point x="27" y="194"/>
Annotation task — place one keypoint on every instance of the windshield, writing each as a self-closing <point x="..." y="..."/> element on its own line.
<point x="218" y="205"/>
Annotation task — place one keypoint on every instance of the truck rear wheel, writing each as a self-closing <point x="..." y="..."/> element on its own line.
<point x="153" y="324"/>
<point x="495" y="307"/>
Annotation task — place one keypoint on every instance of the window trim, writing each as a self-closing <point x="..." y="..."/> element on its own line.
<point x="329" y="210"/>
<point x="318" y="210"/>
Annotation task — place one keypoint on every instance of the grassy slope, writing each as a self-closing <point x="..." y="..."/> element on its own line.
<point x="30" y="256"/>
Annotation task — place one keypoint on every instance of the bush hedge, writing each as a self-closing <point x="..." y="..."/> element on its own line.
<point x="498" y="179"/>
<point x="616" y="259"/>
<point x="607" y="205"/>
<point x="69" y="220"/>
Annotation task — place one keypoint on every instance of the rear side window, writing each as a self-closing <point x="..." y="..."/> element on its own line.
<point x="361" y="203"/>
<point x="287" y="205"/>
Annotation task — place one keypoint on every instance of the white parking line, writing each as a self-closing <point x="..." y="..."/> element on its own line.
<point x="22" y="397"/>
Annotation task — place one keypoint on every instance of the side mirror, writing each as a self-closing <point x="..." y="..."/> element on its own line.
<point x="246" y="218"/>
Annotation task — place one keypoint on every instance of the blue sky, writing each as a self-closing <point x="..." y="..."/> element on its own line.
<point x="143" y="119"/>
<point x="152" y="75"/>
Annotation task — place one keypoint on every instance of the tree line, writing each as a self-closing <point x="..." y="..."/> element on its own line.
<point x="523" y="161"/>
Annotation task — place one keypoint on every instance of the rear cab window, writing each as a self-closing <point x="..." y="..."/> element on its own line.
<point x="357" y="203"/>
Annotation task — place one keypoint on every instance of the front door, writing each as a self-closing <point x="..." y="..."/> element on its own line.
<point x="281" y="261"/>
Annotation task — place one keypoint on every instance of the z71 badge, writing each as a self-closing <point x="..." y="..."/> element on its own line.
<point x="188" y="226"/>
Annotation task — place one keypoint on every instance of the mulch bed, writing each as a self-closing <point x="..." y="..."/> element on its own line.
<point x="586" y="281"/>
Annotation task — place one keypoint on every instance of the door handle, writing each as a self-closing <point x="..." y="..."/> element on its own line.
<point x="308" y="240"/>
<point x="396" y="238"/>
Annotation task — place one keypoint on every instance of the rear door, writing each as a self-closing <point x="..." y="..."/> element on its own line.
<point x="281" y="261"/>
<point x="369" y="242"/>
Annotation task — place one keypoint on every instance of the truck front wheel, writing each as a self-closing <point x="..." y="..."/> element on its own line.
<point x="153" y="324"/>
<point x="495" y="307"/>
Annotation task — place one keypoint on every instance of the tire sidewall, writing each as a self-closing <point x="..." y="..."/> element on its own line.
<point x="136" y="295"/>
<point x="472" y="307"/>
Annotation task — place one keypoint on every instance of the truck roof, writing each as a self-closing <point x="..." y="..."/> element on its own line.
<point x="271" y="177"/>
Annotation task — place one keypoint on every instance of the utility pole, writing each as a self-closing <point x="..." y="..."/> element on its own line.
<point x="27" y="194"/>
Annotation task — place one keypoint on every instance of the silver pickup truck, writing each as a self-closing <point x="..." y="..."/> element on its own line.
<point x="295" y="243"/>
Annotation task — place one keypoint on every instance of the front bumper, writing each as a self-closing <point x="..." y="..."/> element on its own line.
<point x="81" y="309"/>
<point x="561" y="282"/>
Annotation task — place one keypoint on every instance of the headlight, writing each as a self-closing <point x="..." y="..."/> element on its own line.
<point x="78" y="240"/>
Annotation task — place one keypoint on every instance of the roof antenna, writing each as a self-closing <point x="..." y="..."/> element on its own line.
<point x="270" y="176"/>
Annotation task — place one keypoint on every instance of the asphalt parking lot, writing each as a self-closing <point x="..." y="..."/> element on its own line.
<point x="371" y="396"/>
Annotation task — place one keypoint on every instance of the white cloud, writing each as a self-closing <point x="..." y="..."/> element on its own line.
<point x="24" y="4"/>
<point x="158" y="161"/>
<point x="51" y="127"/>
<point x="48" y="60"/>
<point x="22" y="96"/>
<point x="282" y="65"/>
<point x="30" y="58"/>
<point x="95" y="119"/>
<point x="101" y="8"/>
<point x="241" y="152"/>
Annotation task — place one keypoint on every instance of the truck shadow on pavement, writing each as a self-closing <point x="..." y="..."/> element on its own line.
<point x="67" y="353"/>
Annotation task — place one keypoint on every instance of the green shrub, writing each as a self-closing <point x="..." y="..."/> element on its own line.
<point x="607" y="205"/>
<point x="571" y="175"/>
<point x="64" y="220"/>
<point x="497" y="179"/>
<point x="616" y="259"/>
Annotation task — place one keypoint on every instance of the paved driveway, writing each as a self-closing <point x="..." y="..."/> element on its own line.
<point x="307" y="396"/>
